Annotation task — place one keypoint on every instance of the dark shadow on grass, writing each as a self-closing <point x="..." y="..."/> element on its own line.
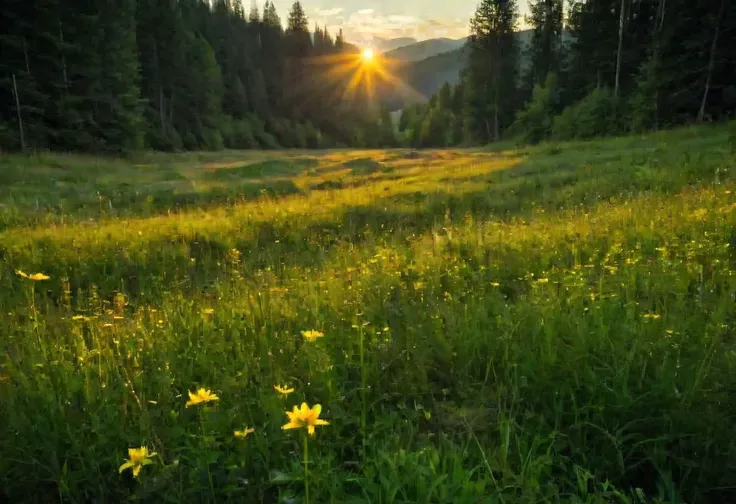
<point x="265" y="169"/>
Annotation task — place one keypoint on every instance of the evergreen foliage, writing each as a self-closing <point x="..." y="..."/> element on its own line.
<point x="599" y="68"/>
<point x="171" y="75"/>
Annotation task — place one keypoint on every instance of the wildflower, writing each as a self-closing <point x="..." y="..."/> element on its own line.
<point x="305" y="416"/>
<point x="201" y="396"/>
<point x="35" y="276"/>
<point x="495" y="284"/>
<point x="137" y="458"/>
<point x="242" y="434"/>
<point x="543" y="280"/>
<point x="652" y="316"/>
<point x="312" y="335"/>
<point x="284" y="391"/>
<point x="208" y="311"/>
<point x="81" y="317"/>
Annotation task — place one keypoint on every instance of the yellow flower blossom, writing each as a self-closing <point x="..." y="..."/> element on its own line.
<point x="495" y="284"/>
<point x="83" y="318"/>
<point x="305" y="416"/>
<point x="284" y="391"/>
<point x="542" y="280"/>
<point x="652" y="316"/>
<point x="312" y="335"/>
<point x="208" y="311"/>
<point x="137" y="458"/>
<point x="201" y="396"/>
<point x="35" y="276"/>
<point x="242" y="434"/>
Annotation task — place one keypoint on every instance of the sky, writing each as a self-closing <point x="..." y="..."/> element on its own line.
<point x="362" y="20"/>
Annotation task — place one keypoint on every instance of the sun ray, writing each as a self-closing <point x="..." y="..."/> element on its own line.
<point x="364" y="73"/>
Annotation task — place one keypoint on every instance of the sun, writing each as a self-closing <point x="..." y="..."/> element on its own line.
<point x="367" y="55"/>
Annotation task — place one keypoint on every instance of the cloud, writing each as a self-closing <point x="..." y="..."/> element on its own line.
<point x="328" y="12"/>
<point x="362" y="26"/>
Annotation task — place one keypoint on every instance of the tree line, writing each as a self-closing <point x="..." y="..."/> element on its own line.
<point x="597" y="67"/>
<point x="122" y="75"/>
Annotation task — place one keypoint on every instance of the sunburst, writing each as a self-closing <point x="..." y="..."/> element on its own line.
<point x="365" y="70"/>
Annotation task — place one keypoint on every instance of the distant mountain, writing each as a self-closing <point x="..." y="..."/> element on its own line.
<point x="424" y="77"/>
<point x="382" y="45"/>
<point x="425" y="49"/>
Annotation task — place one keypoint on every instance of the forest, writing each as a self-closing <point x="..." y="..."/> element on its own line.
<point x="592" y="68"/>
<point x="189" y="74"/>
<point x="175" y="74"/>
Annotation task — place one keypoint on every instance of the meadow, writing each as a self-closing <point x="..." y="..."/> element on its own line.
<point x="540" y="324"/>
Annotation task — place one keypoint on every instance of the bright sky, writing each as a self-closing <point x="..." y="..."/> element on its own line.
<point x="361" y="20"/>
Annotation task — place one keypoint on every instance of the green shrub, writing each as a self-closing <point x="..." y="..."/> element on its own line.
<point x="534" y="123"/>
<point x="593" y="116"/>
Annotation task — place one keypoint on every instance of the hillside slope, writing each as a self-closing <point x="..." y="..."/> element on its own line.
<point x="425" y="49"/>
<point x="426" y="76"/>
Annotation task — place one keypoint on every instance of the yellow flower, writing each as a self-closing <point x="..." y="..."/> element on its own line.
<point x="312" y="335"/>
<point x="542" y="280"/>
<point x="137" y="458"/>
<point x="305" y="417"/>
<point x="495" y="284"/>
<point x="284" y="391"/>
<point x="35" y="276"/>
<point x="651" y="315"/>
<point x="208" y="311"/>
<point x="201" y="396"/>
<point x="242" y="434"/>
<point x="80" y="317"/>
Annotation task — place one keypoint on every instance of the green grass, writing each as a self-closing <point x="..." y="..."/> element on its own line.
<point x="551" y="324"/>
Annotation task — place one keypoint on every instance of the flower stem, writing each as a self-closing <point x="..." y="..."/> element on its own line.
<point x="363" y="378"/>
<point x="306" y="468"/>
<point x="204" y="441"/>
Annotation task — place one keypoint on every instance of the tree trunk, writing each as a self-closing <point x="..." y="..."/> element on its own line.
<point x="711" y="62"/>
<point x="658" y="23"/>
<point x="161" y="107"/>
<point x="25" y="54"/>
<point x="620" y="45"/>
<point x="20" y="117"/>
<point x="496" y="128"/>
<point x="63" y="58"/>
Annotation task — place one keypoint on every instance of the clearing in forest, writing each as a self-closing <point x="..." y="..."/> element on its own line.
<point x="543" y="324"/>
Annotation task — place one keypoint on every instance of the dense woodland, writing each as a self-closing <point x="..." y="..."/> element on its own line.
<point x="176" y="74"/>
<point x="195" y="74"/>
<point x="592" y="68"/>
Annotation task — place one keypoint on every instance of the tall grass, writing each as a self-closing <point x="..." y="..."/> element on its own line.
<point x="553" y="324"/>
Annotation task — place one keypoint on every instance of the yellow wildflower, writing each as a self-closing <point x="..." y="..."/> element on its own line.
<point x="35" y="276"/>
<point x="80" y="317"/>
<point x="137" y="458"/>
<point x="305" y="416"/>
<point x="208" y="311"/>
<point x="652" y="316"/>
<point x="201" y="396"/>
<point x="284" y="391"/>
<point x="312" y="335"/>
<point x="242" y="434"/>
<point x="542" y="280"/>
<point x="495" y="284"/>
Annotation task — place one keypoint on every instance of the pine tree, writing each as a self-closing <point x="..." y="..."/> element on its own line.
<point x="546" y="44"/>
<point x="118" y="116"/>
<point x="492" y="69"/>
